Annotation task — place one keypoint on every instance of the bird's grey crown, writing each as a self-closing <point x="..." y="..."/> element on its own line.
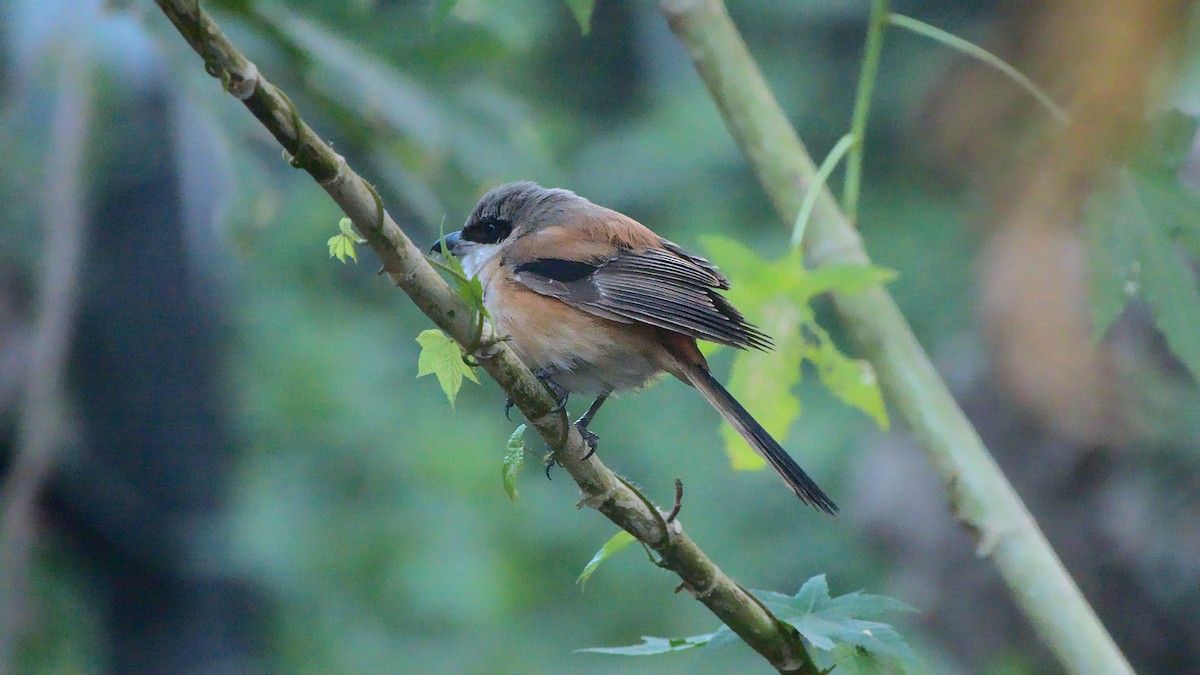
<point x="526" y="205"/>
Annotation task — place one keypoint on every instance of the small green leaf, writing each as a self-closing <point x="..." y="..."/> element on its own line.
<point x="442" y="356"/>
<point x="614" y="545"/>
<point x="582" y="9"/>
<point x="654" y="645"/>
<point x="347" y="227"/>
<point x="514" y="457"/>
<point x="341" y="246"/>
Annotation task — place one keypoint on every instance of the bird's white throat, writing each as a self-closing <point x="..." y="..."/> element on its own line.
<point x="479" y="256"/>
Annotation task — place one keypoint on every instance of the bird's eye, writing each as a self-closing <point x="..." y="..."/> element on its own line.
<point x="488" y="230"/>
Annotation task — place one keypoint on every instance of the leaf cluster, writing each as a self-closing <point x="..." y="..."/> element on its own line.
<point x="845" y="629"/>
<point x="780" y="293"/>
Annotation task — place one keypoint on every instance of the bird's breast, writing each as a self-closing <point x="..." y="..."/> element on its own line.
<point x="584" y="353"/>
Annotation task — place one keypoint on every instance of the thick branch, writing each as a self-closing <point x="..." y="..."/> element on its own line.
<point x="405" y="264"/>
<point x="977" y="490"/>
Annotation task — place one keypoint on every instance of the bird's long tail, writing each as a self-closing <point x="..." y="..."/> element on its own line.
<point x="699" y="377"/>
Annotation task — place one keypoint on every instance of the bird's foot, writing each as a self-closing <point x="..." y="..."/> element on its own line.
<point x="590" y="438"/>
<point x="559" y="392"/>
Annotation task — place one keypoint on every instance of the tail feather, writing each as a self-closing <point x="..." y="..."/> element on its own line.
<point x="758" y="438"/>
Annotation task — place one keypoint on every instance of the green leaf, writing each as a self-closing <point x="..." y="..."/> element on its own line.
<point x="843" y="278"/>
<point x="1113" y="268"/>
<point x="654" y="645"/>
<point x="1171" y="289"/>
<point x="853" y="381"/>
<point x="1165" y="141"/>
<point x="582" y="9"/>
<point x="514" y="457"/>
<point x="776" y="294"/>
<point x="1174" y="203"/>
<point x="827" y="622"/>
<point x="614" y="545"/>
<point x="341" y="246"/>
<point x="1136" y="225"/>
<point x="442" y="356"/>
<point x="843" y="626"/>
<point x="347" y="228"/>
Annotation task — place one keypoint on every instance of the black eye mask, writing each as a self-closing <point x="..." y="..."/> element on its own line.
<point x="487" y="230"/>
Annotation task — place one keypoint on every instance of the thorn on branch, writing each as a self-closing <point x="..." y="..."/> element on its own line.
<point x="678" y="503"/>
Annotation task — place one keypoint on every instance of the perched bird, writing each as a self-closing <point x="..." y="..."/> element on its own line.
<point x="595" y="302"/>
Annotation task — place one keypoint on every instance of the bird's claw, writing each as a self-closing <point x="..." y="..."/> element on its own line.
<point x="590" y="438"/>
<point x="562" y="403"/>
<point x="508" y="406"/>
<point x="550" y="462"/>
<point x="560" y="392"/>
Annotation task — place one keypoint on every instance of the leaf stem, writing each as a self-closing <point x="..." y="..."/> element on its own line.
<point x="862" y="105"/>
<point x="975" y="51"/>
<point x="844" y="144"/>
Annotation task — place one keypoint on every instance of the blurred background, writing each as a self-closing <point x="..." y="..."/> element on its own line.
<point x="216" y="456"/>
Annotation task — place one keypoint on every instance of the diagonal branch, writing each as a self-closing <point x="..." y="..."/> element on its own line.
<point x="979" y="494"/>
<point x="404" y="263"/>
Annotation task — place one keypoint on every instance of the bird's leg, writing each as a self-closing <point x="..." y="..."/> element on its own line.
<point x="560" y="392"/>
<point x="582" y="423"/>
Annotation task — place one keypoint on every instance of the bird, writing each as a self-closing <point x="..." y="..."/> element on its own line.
<point x="594" y="303"/>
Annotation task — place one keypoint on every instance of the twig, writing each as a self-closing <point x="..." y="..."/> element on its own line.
<point x="408" y="269"/>
<point x="977" y="490"/>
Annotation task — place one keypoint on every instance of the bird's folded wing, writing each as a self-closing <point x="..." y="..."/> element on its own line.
<point x="663" y="287"/>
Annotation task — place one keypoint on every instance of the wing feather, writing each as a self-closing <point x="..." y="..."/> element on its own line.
<point x="667" y="287"/>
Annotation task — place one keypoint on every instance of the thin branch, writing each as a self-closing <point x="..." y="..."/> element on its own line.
<point x="40" y="431"/>
<point x="977" y="490"/>
<point x="408" y="269"/>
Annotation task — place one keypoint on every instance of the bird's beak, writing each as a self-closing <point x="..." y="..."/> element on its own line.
<point x="451" y="242"/>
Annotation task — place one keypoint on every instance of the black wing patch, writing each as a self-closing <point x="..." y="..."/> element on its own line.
<point x="557" y="269"/>
<point x="668" y="288"/>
